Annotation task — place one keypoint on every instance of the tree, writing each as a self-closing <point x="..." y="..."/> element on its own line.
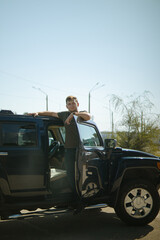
<point x="140" y="127"/>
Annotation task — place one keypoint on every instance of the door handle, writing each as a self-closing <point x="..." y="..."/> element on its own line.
<point x="3" y="153"/>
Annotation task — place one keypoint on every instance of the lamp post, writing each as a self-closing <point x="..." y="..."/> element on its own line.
<point x="45" y="95"/>
<point x="89" y="95"/>
<point x="111" y="119"/>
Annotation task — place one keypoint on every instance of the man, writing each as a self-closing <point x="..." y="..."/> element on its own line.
<point x="72" y="139"/>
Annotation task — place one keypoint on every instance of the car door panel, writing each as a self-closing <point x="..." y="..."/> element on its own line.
<point x="24" y="162"/>
<point x="91" y="160"/>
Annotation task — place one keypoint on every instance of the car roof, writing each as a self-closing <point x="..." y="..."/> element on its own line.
<point x="9" y="116"/>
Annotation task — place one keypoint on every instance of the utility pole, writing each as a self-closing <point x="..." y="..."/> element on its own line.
<point x="45" y="95"/>
<point x="112" y="126"/>
<point x="89" y="95"/>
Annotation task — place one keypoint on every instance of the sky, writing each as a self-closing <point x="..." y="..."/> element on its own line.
<point x="76" y="47"/>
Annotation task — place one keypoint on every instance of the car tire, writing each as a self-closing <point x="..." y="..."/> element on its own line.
<point x="138" y="203"/>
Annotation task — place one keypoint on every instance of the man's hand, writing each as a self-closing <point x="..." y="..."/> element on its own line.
<point x="68" y="120"/>
<point x="33" y="114"/>
<point x="84" y="115"/>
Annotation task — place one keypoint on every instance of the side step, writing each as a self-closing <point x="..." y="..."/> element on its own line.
<point x="50" y="211"/>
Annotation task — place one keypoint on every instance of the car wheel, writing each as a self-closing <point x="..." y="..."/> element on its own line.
<point x="138" y="203"/>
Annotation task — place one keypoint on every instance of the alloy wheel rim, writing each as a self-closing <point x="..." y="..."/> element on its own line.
<point x="138" y="203"/>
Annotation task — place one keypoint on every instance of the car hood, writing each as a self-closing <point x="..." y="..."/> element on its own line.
<point x="135" y="153"/>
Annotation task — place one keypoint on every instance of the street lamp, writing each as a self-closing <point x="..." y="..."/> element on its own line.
<point x="89" y="95"/>
<point x="45" y="95"/>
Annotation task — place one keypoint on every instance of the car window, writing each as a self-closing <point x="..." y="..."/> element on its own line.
<point x="63" y="133"/>
<point x="51" y="137"/>
<point x="18" y="134"/>
<point x="88" y="135"/>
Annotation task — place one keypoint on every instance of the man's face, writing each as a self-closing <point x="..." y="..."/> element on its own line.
<point x="72" y="105"/>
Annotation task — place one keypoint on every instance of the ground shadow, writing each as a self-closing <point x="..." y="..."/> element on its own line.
<point x="89" y="225"/>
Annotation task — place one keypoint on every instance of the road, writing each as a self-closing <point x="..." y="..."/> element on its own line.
<point x="88" y="225"/>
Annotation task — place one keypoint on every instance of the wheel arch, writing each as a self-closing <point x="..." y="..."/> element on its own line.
<point x="150" y="174"/>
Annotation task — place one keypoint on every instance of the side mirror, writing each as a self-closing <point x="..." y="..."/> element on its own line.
<point x="110" y="143"/>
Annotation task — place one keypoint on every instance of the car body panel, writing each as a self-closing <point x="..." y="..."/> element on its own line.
<point x="32" y="171"/>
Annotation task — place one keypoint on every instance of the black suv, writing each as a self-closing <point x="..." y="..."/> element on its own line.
<point x="33" y="175"/>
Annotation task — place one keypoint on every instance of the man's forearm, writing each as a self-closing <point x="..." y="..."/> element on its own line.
<point x="45" y="113"/>
<point x="85" y="115"/>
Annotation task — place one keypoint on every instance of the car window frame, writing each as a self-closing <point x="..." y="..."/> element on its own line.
<point x="90" y="124"/>
<point x="18" y="123"/>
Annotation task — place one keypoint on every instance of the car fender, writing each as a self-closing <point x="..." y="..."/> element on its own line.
<point x="136" y="164"/>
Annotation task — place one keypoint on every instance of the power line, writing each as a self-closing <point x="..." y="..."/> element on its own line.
<point x="12" y="95"/>
<point x="24" y="79"/>
<point x="40" y="84"/>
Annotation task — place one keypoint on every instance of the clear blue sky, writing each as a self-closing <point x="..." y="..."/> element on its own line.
<point x="65" y="47"/>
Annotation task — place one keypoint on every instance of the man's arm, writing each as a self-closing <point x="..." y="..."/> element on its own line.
<point x="85" y="115"/>
<point x="45" y="113"/>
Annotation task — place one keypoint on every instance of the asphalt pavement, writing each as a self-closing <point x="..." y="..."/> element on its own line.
<point x="89" y="225"/>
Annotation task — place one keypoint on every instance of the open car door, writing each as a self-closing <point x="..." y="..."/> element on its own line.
<point x="91" y="163"/>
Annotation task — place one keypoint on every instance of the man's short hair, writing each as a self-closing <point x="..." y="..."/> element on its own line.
<point x="71" y="98"/>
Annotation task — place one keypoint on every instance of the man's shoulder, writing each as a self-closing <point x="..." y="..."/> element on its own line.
<point x="63" y="114"/>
